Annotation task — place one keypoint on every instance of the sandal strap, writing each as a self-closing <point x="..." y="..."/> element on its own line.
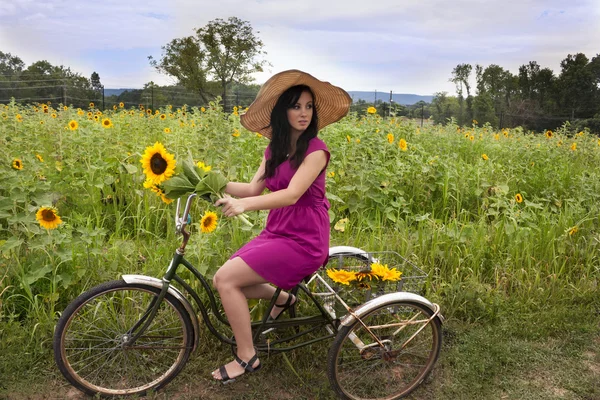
<point x="288" y="302"/>
<point x="247" y="365"/>
<point x="223" y="372"/>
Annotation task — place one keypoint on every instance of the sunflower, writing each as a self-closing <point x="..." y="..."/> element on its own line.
<point x="121" y="105"/>
<point x="348" y="138"/>
<point x="341" y="276"/>
<point x="496" y="136"/>
<point x="548" y="134"/>
<point x="73" y="125"/>
<point x="203" y="166"/>
<point x="386" y="273"/>
<point x="107" y="123"/>
<point x="65" y="108"/>
<point x="518" y="198"/>
<point x="17" y="164"/>
<point x="371" y="110"/>
<point x="235" y="133"/>
<point x="149" y="111"/>
<point x="96" y="118"/>
<point x="208" y="222"/>
<point x="485" y="157"/>
<point x="390" y="138"/>
<point x="80" y="111"/>
<point x="360" y="276"/>
<point x="163" y="116"/>
<point x="167" y="130"/>
<point x="39" y="157"/>
<point x="574" y="146"/>
<point x="157" y="163"/>
<point x="48" y="217"/>
<point x="53" y="115"/>
<point x="91" y="105"/>
<point x="403" y="145"/>
<point x="148" y="184"/>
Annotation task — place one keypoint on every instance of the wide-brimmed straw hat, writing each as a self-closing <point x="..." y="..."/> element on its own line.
<point x="332" y="103"/>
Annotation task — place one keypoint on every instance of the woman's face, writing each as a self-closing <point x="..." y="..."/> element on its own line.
<point x="300" y="114"/>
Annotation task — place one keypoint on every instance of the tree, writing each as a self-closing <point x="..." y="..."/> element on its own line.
<point x="224" y="51"/>
<point x="10" y="65"/>
<point x="460" y="77"/>
<point x="577" y="85"/>
<point x="443" y="107"/>
<point x="95" y="81"/>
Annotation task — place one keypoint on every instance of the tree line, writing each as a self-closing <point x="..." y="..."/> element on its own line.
<point x="535" y="98"/>
<point x="219" y="59"/>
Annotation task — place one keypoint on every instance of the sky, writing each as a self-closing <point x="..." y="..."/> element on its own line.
<point x="404" y="46"/>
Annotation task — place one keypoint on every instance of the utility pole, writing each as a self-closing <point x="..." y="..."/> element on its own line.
<point x="422" y="112"/>
<point x="64" y="90"/>
<point x="390" y="112"/>
<point x="102" y="98"/>
<point x="375" y="97"/>
<point x="152" y="96"/>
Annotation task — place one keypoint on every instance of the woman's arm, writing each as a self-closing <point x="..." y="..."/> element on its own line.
<point x="254" y="188"/>
<point x="308" y="171"/>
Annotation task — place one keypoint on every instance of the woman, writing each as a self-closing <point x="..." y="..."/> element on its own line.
<point x="295" y="241"/>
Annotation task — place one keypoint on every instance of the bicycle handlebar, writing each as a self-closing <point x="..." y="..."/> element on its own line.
<point x="181" y="222"/>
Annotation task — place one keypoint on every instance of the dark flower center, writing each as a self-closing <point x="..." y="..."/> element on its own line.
<point x="208" y="222"/>
<point x="158" y="165"/>
<point x="48" y="215"/>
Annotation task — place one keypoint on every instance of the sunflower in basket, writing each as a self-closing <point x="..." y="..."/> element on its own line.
<point x="376" y="275"/>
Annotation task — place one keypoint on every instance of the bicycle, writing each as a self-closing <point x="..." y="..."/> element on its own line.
<point x="135" y="334"/>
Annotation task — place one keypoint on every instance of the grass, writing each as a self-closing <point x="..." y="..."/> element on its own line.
<point x="510" y="241"/>
<point x="508" y="359"/>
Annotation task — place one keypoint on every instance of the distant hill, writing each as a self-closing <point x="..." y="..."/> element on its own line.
<point x="115" y="92"/>
<point x="399" y="98"/>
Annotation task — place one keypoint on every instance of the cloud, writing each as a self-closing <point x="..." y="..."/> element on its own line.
<point x="406" y="46"/>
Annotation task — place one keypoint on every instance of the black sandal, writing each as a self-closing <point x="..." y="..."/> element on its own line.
<point x="225" y="379"/>
<point x="285" y="306"/>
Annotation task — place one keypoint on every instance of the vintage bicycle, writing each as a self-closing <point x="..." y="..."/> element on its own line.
<point x="135" y="334"/>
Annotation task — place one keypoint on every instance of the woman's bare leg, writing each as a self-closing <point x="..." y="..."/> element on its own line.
<point x="230" y="280"/>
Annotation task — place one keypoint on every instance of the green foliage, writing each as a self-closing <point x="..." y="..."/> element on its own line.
<point x="226" y="51"/>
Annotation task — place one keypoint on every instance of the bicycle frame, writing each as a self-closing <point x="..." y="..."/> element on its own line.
<point x="315" y="322"/>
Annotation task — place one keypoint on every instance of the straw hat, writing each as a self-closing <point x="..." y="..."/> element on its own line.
<point x="332" y="103"/>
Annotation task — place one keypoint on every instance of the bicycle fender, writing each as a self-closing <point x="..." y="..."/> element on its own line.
<point x="157" y="283"/>
<point x="347" y="250"/>
<point x="370" y="305"/>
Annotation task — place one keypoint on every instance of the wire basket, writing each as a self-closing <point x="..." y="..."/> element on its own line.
<point x="367" y="286"/>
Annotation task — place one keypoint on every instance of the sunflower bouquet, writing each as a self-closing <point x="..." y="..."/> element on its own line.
<point x="376" y="275"/>
<point x="170" y="179"/>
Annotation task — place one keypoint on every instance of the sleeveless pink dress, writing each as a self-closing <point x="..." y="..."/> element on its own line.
<point x="295" y="241"/>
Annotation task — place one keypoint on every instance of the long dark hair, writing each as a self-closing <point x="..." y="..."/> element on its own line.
<point x="280" y="126"/>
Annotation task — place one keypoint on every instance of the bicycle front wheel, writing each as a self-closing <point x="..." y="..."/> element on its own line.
<point x="387" y="355"/>
<point x="91" y="345"/>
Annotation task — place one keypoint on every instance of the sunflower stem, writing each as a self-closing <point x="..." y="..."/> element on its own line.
<point x="242" y="217"/>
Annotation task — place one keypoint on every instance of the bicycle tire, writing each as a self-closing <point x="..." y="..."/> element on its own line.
<point x="388" y="372"/>
<point x="88" y="341"/>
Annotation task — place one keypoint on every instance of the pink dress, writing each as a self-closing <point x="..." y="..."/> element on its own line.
<point x="295" y="242"/>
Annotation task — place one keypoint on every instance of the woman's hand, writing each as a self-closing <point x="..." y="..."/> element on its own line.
<point x="231" y="206"/>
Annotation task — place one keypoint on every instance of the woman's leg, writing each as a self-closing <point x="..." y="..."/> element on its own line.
<point x="230" y="281"/>
<point x="266" y="291"/>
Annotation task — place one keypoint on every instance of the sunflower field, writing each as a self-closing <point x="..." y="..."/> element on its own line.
<point x="505" y="222"/>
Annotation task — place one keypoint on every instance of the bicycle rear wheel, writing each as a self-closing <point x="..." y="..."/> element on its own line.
<point x="90" y="346"/>
<point x="383" y="362"/>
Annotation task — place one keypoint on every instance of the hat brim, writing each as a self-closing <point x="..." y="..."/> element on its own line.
<point x="332" y="103"/>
